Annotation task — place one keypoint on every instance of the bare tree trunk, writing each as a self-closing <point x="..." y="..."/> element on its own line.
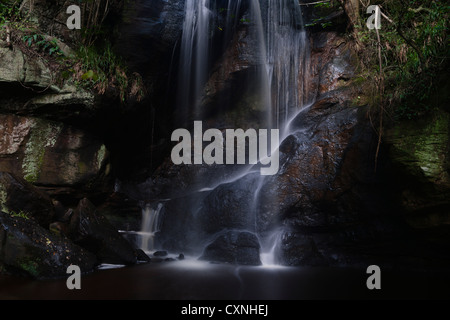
<point x="351" y="8"/>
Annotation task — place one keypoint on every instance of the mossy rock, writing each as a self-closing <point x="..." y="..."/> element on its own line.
<point x="422" y="147"/>
<point x="28" y="249"/>
<point x="420" y="153"/>
<point x="20" y="198"/>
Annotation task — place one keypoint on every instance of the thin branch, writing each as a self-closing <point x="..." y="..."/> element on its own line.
<point x="419" y="9"/>
<point x="387" y="18"/>
<point x="410" y="42"/>
<point x="365" y="5"/>
<point x="307" y="4"/>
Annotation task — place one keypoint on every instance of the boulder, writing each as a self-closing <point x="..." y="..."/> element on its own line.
<point x="160" y="253"/>
<point x="15" y="67"/>
<point x="28" y="249"/>
<point x="52" y="154"/>
<point x="235" y="247"/>
<point x="18" y="196"/>
<point x="28" y="85"/>
<point x="142" y="256"/>
<point x="420" y="154"/>
<point x="92" y="231"/>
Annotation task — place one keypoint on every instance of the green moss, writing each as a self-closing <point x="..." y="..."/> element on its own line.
<point x="430" y="147"/>
<point x="42" y="135"/>
<point x="30" y="266"/>
<point x="424" y="146"/>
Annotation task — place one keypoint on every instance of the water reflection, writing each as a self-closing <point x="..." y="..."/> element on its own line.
<point x="198" y="280"/>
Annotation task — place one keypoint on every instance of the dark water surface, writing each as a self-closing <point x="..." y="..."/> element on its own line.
<point x="192" y="280"/>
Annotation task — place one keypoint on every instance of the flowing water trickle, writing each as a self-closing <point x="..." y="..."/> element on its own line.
<point x="151" y="223"/>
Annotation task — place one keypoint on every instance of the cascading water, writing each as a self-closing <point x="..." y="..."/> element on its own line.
<point x="151" y="222"/>
<point x="285" y="51"/>
<point x="194" y="59"/>
<point x="280" y="67"/>
<point x="287" y="58"/>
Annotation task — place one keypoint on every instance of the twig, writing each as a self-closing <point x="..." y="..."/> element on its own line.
<point x="410" y="42"/>
<point x="307" y="4"/>
<point x="419" y="9"/>
<point x="386" y="17"/>
<point x="365" y="5"/>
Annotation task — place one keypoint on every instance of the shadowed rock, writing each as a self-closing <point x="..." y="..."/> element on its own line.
<point x="27" y="248"/>
<point x="235" y="247"/>
<point x="92" y="231"/>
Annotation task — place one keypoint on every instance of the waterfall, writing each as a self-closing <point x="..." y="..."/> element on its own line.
<point x="279" y="71"/>
<point x="286" y="62"/>
<point x="194" y="59"/>
<point x="285" y="52"/>
<point x="151" y="222"/>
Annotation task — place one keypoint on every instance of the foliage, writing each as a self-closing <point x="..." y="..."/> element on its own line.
<point x="322" y="10"/>
<point x="42" y="44"/>
<point x="9" y="11"/>
<point x="94" y="66"/>
<point x="98" y="67"/>
<point x="414" y="47"/>
<point x="20" y="214"/>
<point x="95" y="13"/>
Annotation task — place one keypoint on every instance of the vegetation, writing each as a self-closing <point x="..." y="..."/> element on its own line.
<point x="20" y="214"/>
<point x="406" y="56"/>
<point x="9" y="11"/>
<point x="323" y="9"/>
<point x="92" y="64"/>
<point x="404" y="63"/>
<point x="42" y="44"/>
<point x="100" y="68"/>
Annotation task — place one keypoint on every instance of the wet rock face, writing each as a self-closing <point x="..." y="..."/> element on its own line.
<point x="49" y="153"/>
<point x="420" y="152"/>
<point x="17" y="196"/>
<point x="40" y="237"/>
<point x="233" y="208"/>
<point x="91" y="230"/>
<point x="234" y="247"/>
<point x="297" y="249"/>
<point x="154" y="27"/>
<point x="326" y="168"/>
<point x="28" y="249"/>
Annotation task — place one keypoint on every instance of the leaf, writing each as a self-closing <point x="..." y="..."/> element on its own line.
<point x="90" y="75"/>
